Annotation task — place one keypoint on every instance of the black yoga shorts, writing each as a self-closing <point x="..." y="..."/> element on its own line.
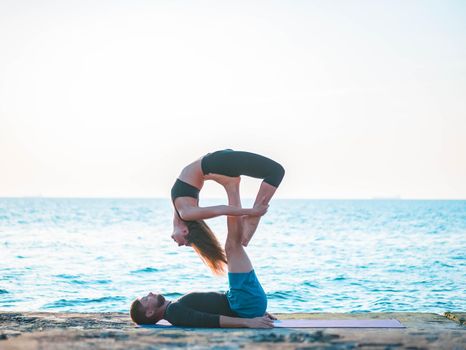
<point x="236" y="163"/>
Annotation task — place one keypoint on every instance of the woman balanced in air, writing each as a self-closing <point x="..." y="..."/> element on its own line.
<point x="189" y="227"/>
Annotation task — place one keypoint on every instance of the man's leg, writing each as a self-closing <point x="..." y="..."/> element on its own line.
<point x="240" y="267"/>
<point x="238" y="260"/>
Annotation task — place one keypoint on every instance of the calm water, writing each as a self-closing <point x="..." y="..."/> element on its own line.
<point x="310" y="255"/>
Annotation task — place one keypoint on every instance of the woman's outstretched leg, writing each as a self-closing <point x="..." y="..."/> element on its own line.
<point x="265" y="194"/>
<point x="232" y="163"/>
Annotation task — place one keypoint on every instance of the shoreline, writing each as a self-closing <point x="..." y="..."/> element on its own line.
<point x="56" y="330"/>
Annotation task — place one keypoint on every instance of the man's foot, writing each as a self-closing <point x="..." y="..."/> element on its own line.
<point x="249" y="227"/>
<point x="225" y="181"/>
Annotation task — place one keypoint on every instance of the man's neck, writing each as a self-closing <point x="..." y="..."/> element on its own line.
<point x="164" y="308"/>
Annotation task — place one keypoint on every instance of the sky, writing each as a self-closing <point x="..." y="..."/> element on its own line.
<point x="356" y="99"/>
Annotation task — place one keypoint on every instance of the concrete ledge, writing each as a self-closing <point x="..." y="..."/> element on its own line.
<point x="41" y="330"/>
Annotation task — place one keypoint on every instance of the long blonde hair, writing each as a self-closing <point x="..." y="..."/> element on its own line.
<point x="207" y="246"/>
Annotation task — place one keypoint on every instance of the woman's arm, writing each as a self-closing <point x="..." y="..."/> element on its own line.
<point x="190" y="213"/>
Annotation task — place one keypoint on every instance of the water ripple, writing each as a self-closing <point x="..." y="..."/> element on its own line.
<point x="61" y="303"/>
<point x="145" y="270"/>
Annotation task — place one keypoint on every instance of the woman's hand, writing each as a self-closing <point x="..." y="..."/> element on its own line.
<point x="259" y="322"/>
<point x="258" y="210"/>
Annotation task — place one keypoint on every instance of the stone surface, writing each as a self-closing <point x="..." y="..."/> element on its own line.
<point x="456" y="316"/>
<point x="40" y="330"/>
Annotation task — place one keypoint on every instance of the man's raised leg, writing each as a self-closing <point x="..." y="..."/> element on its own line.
<point x="238" y="260"/>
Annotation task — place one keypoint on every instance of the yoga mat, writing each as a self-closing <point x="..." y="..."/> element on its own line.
<point x="372" y="323"/>
<point x="388" y="323"/>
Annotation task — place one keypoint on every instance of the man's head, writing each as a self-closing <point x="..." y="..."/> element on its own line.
<point x="148" y="309"/>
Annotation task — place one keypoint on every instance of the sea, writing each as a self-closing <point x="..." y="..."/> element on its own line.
<point x="99" y="254"/>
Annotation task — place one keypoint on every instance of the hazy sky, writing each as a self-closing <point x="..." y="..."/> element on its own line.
<point x="112" y="98"/>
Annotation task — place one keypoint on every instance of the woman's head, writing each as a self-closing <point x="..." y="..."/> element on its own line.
<point x="206" y="244"/>
<point x="180" y="233"/>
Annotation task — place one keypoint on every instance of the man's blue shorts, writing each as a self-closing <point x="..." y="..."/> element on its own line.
<point x="246" y="296"/>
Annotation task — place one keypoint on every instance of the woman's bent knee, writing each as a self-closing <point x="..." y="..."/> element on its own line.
<point x="276" y="175"/>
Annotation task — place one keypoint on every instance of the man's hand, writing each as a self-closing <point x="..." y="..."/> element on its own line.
<point x="259" y="322"/>
<point x="272" y="317"/>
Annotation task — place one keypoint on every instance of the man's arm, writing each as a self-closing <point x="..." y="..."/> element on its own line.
<point x="238" y="322"/>
<point x="232" y="322"/>
<point x="181" y="315"/>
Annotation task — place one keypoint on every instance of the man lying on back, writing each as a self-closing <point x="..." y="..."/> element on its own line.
<point x="243" y="305"/>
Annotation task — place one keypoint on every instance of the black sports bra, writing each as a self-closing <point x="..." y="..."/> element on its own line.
<point x="183" y="189"/>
